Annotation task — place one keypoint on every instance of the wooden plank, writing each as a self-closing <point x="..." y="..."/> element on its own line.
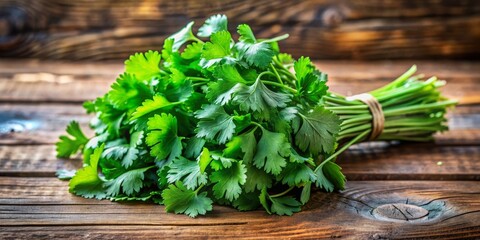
<point x="43" y="208"/>
<point x="372" y="161"/>
<point x="27" y="124"/>
<point x="33" y="161"/>
<point x="31" y="124"/>
<point x="410" y="162"/>
<point x="33" y="81"/>
<point x="373" y="29"/>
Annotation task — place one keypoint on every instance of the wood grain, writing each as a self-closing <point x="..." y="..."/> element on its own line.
<point x="374" y="162"/>
<point x="373" y="29"/>
<point x="33" y="81"/>
<point x="41" y="205"/>
<point x="27" y="124"/>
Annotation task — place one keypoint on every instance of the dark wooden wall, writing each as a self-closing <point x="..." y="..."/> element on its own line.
<point x="322" y="29"/>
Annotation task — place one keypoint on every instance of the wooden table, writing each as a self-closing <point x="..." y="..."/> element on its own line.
<point x="440" y="180"/>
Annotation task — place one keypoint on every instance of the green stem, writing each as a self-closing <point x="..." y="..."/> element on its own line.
<point x="282" y="193"/>
<point x="193" y="79"/>
<point x="280" y="86"/>
<point x="276" y="74"/>
<point x="344" y="147"/>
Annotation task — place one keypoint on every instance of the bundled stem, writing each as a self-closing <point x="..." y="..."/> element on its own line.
<point x="414" y="110"/>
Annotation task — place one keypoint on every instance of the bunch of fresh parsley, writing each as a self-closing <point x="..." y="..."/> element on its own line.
<point x="212" y="120"/>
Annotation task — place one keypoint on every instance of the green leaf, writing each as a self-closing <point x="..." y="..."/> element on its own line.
<point x="263" y="197"/>
<point x="129" y="182"/>
<point x="128" y="93"/>
<point x="228" y="181"/>
<point x="144" y="65"/>
<point x="246" y="33"/>
<point x="194" y="147"/>
<point x="150" y="105"/>
<point x="72" y="143"/>
<point x="296" y="173"/>
<point x="311" y="83"/>
<point x="179" y="199"/>
<point x="86" y="182"/>
<point x="178" y="89"/>
<point x="204" y="160"/>
<point x="330" y="177"/>
<point x="257" y="179"/>
<point x="302" y="66"/>
<point x="192" y="51"/>
<point x="316" y="131"/>
<point x="162" y="137"/>
<point x="212" y="25"/>
<point x="218" y="47"/>
<point x="305" y="195"/>
<point x="214" y="123"/>
<point x="245" y="143"/>
<point x="258" y="54"/>
<point x="272" y="149"/>
<point x="183" y="36"/>
<point x="229" y="81"/>
<point x="127" y="153"/>
<point x="247" y="202"/>
<point x="220" y="162"/>
<point x="187" y="171"/>
<point x="285" y="205"/>
<point x="333" y="172"/>
<point x="258" y="98"/>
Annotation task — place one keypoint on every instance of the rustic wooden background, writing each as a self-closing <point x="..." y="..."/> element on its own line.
<point x="39" y="98"/>
<point x="322" y="29"/>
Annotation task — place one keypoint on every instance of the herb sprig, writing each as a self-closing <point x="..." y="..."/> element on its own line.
<point x="213" y="120"/>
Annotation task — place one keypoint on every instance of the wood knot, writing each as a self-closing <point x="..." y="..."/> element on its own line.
<point x="12" y="123"/>
<point x="332" y="17"/>
<point x="400" y="212"/>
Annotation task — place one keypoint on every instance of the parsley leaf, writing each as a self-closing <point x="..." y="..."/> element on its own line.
<point x="212" y="25"/>
<point x="130" y="182"/>
<point x="188" y="171"/>
<point x="127" y="92"/>
<point x="229" y="82"/>
<point x="192" y="51"/>
<point x="316" y="131"/>
<point x="127" y="153"/>
<point x="247" y="202"/>
<point x="258" y="54"/>
<point x="285" y="205"/>
<point x="162" y="137"/>
<point x="86" y="182"/>
<point x="245" y="143"/>
<point x="182" y="36"/>
<point x="228" y="181"/>
<point x="214" y="123"/>
<point x="330" y="177"/>
<point x="296" y="173"/>
<point x="69" y="145"/>
<point x="272" y="149"/>
<point x="177" y="198"/>
<point x="157" y="103"/>
<point x="144" y="65"/>
<point x="311" y="84"/>
<point x="257" y="179"/>
<point x="258" y="98"/>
